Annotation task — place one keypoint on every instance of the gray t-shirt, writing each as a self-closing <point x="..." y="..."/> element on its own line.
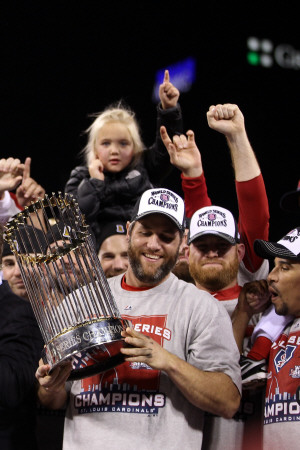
<point x="137" y="406"/>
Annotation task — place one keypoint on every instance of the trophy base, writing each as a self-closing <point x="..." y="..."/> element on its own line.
<point x="93" y="347"/>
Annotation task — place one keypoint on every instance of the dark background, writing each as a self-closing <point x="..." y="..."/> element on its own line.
<point x="62" y="61"/>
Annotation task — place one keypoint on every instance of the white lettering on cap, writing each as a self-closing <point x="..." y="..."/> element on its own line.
<point x="292" y="241"/>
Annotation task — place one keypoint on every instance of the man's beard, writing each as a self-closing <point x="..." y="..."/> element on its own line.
<point x="214" y="279"/>
<point x="181" y="270"/>
<point x="281" y="310"/>
<point x="149" y="277"/>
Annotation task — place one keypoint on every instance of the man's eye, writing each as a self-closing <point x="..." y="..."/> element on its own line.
<point x="201" y="249"/>
<point x="223" y="249"/>
<point x="166" y="239"/>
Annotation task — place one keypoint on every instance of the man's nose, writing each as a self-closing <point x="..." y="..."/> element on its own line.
<point x="153" y="242"/>
<point x="17" y="272"/>
<point x="120" y="263"/>
<point x="273" y="275"/>
<point x="212" y="253"/>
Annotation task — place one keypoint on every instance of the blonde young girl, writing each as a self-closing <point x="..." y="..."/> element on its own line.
<point x="118" y="168"/>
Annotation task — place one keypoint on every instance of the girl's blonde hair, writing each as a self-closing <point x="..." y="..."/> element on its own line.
<point x="114" y="113"/>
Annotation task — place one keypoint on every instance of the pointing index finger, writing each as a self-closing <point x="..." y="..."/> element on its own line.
<point x="26" y="173"/>
<point x="166" y="77"/>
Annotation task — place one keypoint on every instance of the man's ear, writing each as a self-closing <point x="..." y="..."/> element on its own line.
<point x="241" y="251"/>
<point x="128" y="225"/>
<point x="187" y="253"/>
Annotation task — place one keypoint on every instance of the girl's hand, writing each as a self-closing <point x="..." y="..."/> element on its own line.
<point x="96" y="169"/>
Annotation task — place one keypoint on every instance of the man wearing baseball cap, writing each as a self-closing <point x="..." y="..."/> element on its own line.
<point x="215" y="256"/>
<point x="215" y="252"/>
<point x="33" y="241"/>
<point x="113" y="246"/>
<point x="220" y="260"/>
<point x="282" y="401"/>
<point x="176" y="365"/>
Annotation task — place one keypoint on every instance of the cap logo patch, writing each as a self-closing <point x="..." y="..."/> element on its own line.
<point x="120" y="228"/>
<point x="212" y="218"/>
<point x="164" y="197"/>
<point x="66" y="232"/>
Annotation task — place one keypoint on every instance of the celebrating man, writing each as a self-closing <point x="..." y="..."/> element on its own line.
<point x="177" y="364"/>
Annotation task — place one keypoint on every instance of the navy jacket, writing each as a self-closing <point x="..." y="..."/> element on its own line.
<point x="21" y="344"/>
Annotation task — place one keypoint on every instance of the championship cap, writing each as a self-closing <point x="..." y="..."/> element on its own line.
<point x="160" y="201"/>
<point x="214" y="220"/>
<point x="111" y="229"/>
<point x="290" y="202"/>
<point x="287" y="247"/>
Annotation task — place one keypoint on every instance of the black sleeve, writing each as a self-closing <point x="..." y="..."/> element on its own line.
<point x="87" y="191"/>
<point x="157" y="160"/>
<point x="20" y="350"/>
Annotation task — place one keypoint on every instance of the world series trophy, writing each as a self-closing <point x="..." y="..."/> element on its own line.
<point x="68" y="291"/>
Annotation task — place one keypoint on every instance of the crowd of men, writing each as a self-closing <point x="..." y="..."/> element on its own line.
<point x="211" y="357"/>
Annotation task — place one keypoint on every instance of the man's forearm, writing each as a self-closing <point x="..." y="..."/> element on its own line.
<point x="214" y="392"/>
<point x="243" y="158"/>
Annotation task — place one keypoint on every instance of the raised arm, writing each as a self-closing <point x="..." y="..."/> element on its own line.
<point x="229" y="120"/>
<point x="253" y="204"/>
<point x="168" y="115"/>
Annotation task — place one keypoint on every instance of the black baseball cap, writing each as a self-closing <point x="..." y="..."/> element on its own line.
<point x="287" y="247"/>
<point x="110" y="229"/>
